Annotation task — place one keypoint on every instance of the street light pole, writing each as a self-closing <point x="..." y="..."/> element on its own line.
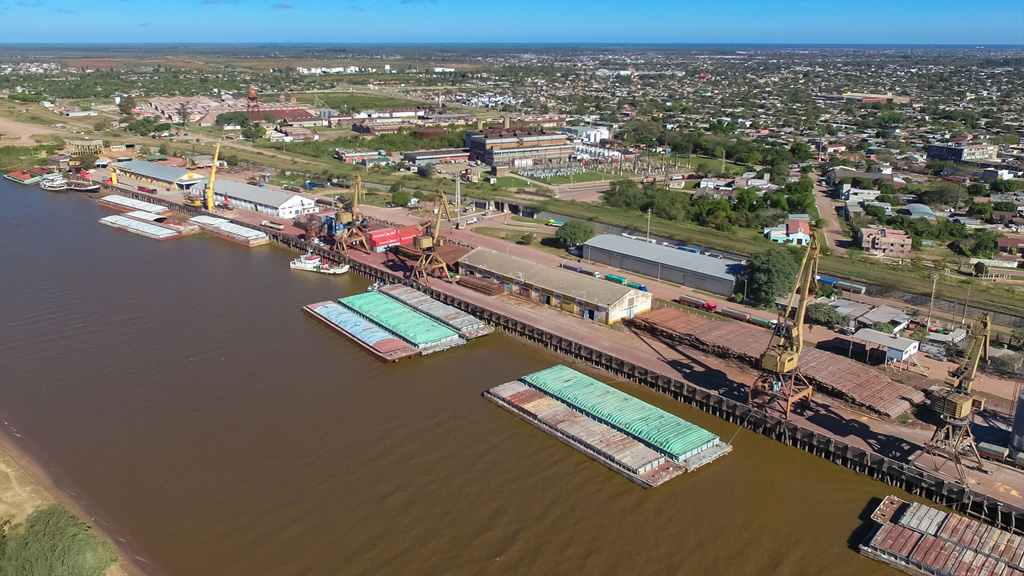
<point x="931" y="303"/>
<point x="648" y="225"/>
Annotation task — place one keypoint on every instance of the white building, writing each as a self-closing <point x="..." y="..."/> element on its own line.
<point x="590" y="134"/>
<point x="269" y="201"/>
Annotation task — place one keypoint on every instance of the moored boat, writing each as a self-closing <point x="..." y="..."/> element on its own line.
<point x="313" y="263"/>
<point x="79" y="185"/>
<point x="54" y="183"/>
<point x="23" y="177"/>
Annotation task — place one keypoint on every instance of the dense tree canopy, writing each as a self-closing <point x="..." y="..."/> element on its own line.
<point x="574" y="233"/>
<point x="54" y="542"/>
<point x="769" y="274"/>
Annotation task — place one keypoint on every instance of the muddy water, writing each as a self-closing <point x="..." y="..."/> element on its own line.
<point x="177" y="390"/>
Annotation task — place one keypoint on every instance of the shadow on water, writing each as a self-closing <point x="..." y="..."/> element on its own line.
<point x="839" y="425"/>
<point x="858" y="536"/>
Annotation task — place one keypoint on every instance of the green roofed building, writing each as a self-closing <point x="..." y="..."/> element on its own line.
<point x="405" y="323"/>
<point x="664" y="432"/>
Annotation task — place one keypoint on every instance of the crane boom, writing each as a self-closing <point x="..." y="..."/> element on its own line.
<point x="780" y="384"/>
<point x="213" y="177"/>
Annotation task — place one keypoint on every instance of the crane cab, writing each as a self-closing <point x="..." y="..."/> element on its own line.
<point x="779" y="361"/>
<point x="423" y="242"/>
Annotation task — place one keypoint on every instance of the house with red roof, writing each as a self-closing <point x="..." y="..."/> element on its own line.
<point x="796" y="232"/>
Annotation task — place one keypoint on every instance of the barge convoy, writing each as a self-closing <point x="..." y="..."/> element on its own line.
<point x="643" y="443"/>
<point x="926" y="541"/>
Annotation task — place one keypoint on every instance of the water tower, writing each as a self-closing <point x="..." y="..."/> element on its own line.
<point x="252" y="105"/>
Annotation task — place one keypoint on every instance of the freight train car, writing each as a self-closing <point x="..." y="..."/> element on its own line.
<point x="697" y="303"/>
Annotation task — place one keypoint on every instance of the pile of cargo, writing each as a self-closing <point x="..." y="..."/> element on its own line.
<point x="382" y="239"/>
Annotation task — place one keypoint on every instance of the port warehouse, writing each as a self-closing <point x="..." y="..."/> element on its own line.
<point x="425" y="157"/>
<point x="624" y="432"/>
<point x="914" y="537"/>
<point x="698" y="271"/>
<point x="269" y="201"/>
<point x="579" y="294"/>
<point x="396" y="322"/>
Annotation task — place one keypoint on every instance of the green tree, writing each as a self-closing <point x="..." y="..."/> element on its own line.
<point x="980" y="269"/>
<point x="981" y="210"/>
<point x="877" y="212"/>
<point x="977" y="190"/>
<point x="237" y="118"/>
<point x="527" y="239"/>
<point x="253" y="132"/>
<point x="1018" y="335"/>
<point x="231" y="160"/>
<point x="574" y="233"/>
<point x="769" y="274"/>
<point x="100" y="125"/>
<point x="824" y="314"/>
<point x="183" y="113"/>
<point x="428" y="171"/>
<point x="401" y="197"/>
<point x="883" y="327"/>
<point x="126" y="104"/>
<point x="54" y="542"/>
<point x="801" y="152"/>
<point x="1004" y="207"/>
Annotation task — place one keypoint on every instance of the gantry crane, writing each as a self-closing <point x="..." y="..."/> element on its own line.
<point x="428" y="241"/>
<point x="349" y="222"/>
<point x="955" y="404"/>
<point x="780" y="385"/>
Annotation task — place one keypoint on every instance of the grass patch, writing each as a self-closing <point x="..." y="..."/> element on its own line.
<point x="512" y="182"/>
<point x="545" y="242"/>
<point x="517" y="218"/>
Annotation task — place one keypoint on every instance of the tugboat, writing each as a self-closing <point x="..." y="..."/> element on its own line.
<point x="54" y="183"/>
<point x="82" y="185"/>
<point x="313" y="263"/>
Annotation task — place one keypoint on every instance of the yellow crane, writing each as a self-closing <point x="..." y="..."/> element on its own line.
<point x="210" y="204"/>
<point x="351" y="221"/>
<point x="430" y="261"/>
<point x="780" y="385"/>
<point x="953" y="438"/>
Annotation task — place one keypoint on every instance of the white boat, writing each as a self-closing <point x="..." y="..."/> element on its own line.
<point x="54" y="183"/>
<point x="313" y="263"/>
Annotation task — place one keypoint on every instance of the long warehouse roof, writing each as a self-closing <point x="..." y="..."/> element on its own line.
<point x="157" y="171"/>
<point x="255" y="194"/>
<point x="658" y="428"/>
<point x="559" y="280"/>
<point x="717" y="267"/>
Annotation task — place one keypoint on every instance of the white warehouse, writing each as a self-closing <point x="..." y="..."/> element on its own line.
<point x="263" y="200"/>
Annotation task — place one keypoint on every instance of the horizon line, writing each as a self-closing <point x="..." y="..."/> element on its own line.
<point x="516" y="43"/>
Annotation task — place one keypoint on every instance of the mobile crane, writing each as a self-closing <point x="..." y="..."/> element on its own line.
<point x="953" y="438"/>
<point x="780" y="385"/>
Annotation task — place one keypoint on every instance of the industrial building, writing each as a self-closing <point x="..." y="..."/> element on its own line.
<point x="424" y="157"/>
<point x="503" y="147"/>
<point x="358" y="156"/>
<point x="961" y="152"/>
<point x="267" y="201"/>
<point x="590" y="134"/>
<point x="885" y="241"/>
<point x="157" y="174"/>
<point x="579" y="294"/>
<point x="698" y="271"/>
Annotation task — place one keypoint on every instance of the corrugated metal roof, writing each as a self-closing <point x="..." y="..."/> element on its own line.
<point x="144" y="215"/>
<point x="155" y="171"/>
<point x="449" y="316"/>
<point x="141" y="228"/>
<point x="408" y="324"/>
<point x="666" y="432"/>
<point x="887" y="340"/>
<point x="920" y="211"/>
<point x="717" y="267"/>
<point x="228" y="227"/>
<point x="266" y="196"/>
<point x="133" y="203"/>
<point x="558" y="280"/>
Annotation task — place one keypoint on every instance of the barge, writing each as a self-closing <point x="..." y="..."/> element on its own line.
<point x="142" y="228"/>
<point x="467" y="325"/>
<point x="641" y="442"/>
<point x="926" y="541"/>
<point x="22" y="177"/>
<point x="230" y="231"/>
<point x="125" y="204"/>
<point x="375" y="340"/>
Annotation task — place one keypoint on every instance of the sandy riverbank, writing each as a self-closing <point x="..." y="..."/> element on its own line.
<point x="25" y="486"/>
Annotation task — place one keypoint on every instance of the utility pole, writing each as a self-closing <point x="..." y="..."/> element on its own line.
<point x="649" y="226"/>
<point x="931" y="303"/>
<point x="963" y="320"/>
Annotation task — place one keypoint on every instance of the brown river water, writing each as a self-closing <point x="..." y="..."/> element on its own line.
<point x="177" y="391"/>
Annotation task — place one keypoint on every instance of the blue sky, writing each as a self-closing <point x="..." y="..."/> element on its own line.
<point x="594" y="21"/>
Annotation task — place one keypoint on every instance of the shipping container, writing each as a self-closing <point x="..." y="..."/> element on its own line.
<point x="589" y="272"/>
<point x="688" y="249"/>
<point x="614" y="278"/>
<point x="734" y="314"/>
<point x="639" y="287"/>
<point x="570" y="266"/>
<point x="825" y="280"/>
<point x="770" y="324"/>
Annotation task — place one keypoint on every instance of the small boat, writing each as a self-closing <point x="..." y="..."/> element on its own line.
<point x="54" y="183"/>
<point x="313" y="263"/>
<point x="79" y="185"/>
<point x="23" y="177"/>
